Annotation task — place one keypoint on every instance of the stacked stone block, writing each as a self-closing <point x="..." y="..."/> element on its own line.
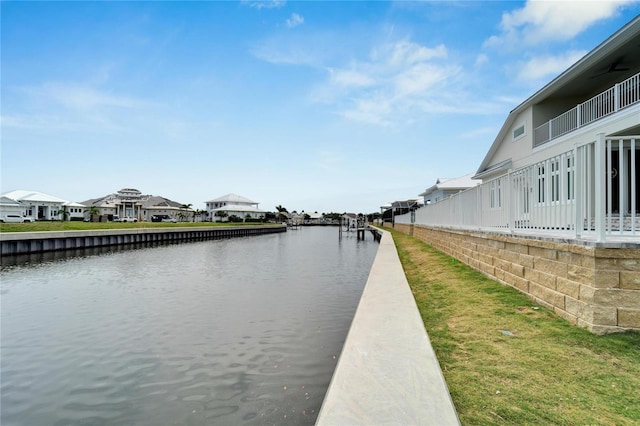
<point x="594" y="287"/>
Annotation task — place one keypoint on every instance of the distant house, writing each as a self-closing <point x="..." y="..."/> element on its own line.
<point x="130" y="202"/>
<point x="399" y="207"/>
<point x="74" y="211"/>
<point x="314" y="218"/>
<point x="222" y="208"/>
<point x="350" y="221"/>
<point x="156" y="206"/>
<point x="43" y="206"/>
<point x="445" y="187"/>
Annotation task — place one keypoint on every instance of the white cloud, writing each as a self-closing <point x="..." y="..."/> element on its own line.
<point x="545" y="66"/>
<point x="541" y="21"/>
<point x="284" y="49"/>
<point x="481" y="60"/>
<point x="295" y="20"/>
<point x="419" y="79"/>
<point x="80" y="97"/>
<point x="265" y="4"/>
<point x="350" y="78"/>
<point x="369" y="110"/>
<point x="398" y="82"/>
<point x="329" y="160"/>
<point x="405" y="53"/>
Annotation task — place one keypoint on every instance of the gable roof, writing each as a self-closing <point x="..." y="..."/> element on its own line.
<point x="452" y="184"/>
<point x="6" y="201"/>
<point x="578" y="78"/>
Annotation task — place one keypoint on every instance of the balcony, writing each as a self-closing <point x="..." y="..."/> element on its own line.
<point x="612" y="100"/>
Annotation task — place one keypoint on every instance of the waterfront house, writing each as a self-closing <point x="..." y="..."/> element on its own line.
<point x="557" y="213"/>
<point x="400" y="207"/>
<point x="350" y="222"/>
<point x="445" y="187"/>
<point x="72" y="211"/>
<point x="130" y="202"/>
<point x="43" y="206"/>
<point x="222" y="208"/>
<point x="314" y="218"/>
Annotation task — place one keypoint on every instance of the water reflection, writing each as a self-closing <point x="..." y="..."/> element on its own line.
<point x="240" y="331"/>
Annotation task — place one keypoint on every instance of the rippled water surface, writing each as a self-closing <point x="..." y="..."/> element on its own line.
<point x="239" y="331"/>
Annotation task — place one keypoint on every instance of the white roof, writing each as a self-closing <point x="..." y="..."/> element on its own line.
<point x="232" y="198"/>
<point x="34" y="196"/>
<point x="459" y="183"/>
<point x="6" y="201"/>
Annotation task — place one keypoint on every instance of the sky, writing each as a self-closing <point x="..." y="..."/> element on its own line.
<point x="317" y="106"/>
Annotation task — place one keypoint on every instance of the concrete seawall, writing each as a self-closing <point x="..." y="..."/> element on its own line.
<point x="17" y="243"/>
<point x="387" y="373"/>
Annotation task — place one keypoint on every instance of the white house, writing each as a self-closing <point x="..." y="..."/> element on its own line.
<point x="73" y="211"/>
<point x="221" y="208"/>
<point x="566" y="160"/>
<point x="42" y="206"/>
<point x="445" y="187"/>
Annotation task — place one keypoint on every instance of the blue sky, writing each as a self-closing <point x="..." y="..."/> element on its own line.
<point x="316" y="106"/>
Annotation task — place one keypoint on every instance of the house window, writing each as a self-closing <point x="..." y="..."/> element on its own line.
<point x="541" y="182"/>
<point x="517" y="132"/>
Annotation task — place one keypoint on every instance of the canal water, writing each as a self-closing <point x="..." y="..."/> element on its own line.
<point x="220" y="332"/>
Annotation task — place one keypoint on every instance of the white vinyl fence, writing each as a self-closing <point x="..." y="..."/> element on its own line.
<point x="590" y="192"/>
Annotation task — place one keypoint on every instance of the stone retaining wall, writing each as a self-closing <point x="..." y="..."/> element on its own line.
<point x="592" y="287"/>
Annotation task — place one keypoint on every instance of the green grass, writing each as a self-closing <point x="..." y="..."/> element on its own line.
<point x="508" y="361"/>
<point x="87" y="226"/>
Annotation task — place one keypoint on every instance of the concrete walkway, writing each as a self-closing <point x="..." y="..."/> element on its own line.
<point x="387" y="373"/>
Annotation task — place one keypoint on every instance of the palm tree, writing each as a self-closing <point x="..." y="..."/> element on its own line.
<point x="198" y="213"/>
<point x="221" y="214"/>
<point x="282" y="214"/>
<point x="185" y="215"/>
<point x="93" y="211"/>
<point x="63" y="211"/>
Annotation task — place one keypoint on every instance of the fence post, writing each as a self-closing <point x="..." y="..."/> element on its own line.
<point x="510" y="205"/>
<point x="578" y="192"/>
<point x="600" y="196"/>
<point x="616" y="97"/>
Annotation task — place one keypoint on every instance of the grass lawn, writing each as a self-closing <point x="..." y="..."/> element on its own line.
<point x="87" y="226"/>
<point x="508" y="361"/>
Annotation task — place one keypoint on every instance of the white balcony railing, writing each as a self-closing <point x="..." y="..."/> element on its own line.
<point x="591" y="193"/>
<point x="611" y="100"/>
